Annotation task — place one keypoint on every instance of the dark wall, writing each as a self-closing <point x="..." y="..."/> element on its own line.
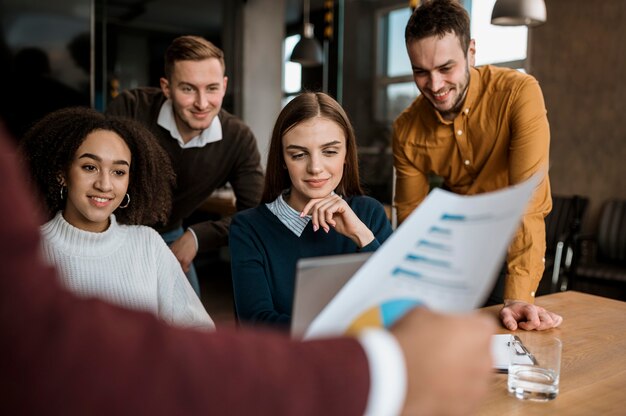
<point x="46" y="50"/>
<point x="579" y="58"/>
<point x="44" y="60"/>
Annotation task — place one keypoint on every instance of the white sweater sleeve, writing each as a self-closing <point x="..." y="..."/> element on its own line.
<point x="178" y="303"/>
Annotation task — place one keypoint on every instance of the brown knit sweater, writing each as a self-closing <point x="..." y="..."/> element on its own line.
<point x="199" y="171"/>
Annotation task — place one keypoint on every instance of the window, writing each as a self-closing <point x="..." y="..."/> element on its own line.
<point x="394" y="86"/>
<point x="498" y="45"/>
<point x="292" y="72"/>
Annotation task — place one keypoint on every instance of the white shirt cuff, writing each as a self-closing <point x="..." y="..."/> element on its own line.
<point x="195" y="238"/>
<point x="388" y="379"/>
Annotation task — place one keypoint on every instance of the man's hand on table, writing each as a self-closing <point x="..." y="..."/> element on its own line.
<point x="519" y="314"/>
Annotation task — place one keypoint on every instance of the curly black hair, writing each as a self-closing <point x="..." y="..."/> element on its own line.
<point x="50" y="145"/>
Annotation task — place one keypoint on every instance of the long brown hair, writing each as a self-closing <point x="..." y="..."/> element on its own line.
<point x="306" y="106"/>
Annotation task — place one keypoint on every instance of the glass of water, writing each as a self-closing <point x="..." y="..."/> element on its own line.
<point x="535" y="366"/>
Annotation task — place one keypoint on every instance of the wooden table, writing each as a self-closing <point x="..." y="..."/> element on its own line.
<point x="593" y="361"/>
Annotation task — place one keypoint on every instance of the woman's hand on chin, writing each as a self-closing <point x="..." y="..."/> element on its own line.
<point x="334" y="212"/>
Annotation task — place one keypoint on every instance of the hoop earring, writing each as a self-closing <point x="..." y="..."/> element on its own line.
<point x="61" y="193"/>
<point x="127" y="202"/>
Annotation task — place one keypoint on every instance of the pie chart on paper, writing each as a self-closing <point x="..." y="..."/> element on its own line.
<point x="382" y="316"/>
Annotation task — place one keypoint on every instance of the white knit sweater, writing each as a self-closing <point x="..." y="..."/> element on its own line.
<point x="128" y="265"/>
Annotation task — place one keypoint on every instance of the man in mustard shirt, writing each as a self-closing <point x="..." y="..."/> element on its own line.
<point x="480" y="129"/>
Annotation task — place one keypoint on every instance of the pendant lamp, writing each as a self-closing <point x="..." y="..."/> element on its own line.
<point x="307" y="51"/>
<point x="518" y="13"/>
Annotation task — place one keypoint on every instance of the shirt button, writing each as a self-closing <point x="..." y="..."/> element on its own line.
<point x="467" y="162"/>
<point x="466" y="110"/>
<point x="459" y="132"/>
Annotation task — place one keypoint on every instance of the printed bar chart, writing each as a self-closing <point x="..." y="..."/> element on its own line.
<point x="445" y="256"/>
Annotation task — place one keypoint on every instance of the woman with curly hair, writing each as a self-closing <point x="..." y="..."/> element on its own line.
<point x="102" y="180"/>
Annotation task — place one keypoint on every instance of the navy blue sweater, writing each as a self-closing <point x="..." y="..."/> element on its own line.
<point x="264" y="253"/>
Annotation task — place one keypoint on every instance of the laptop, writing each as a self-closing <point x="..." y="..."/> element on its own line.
<point x="318" y="279"/>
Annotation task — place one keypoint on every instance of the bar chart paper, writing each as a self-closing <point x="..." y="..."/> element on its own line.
<point x="446" y="256"/>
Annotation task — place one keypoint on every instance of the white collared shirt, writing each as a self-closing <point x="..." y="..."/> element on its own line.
<point x="166" y="120"/>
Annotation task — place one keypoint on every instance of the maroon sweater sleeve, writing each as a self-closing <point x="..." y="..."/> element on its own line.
<point x="60" y="354"/>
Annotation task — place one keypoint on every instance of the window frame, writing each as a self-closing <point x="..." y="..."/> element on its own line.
<point x="381" y="80"/>
<point x="287" y="96"/>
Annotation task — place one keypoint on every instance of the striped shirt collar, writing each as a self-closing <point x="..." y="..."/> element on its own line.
<point x="287" y="215"/>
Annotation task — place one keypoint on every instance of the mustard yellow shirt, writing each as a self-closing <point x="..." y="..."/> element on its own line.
<point x="500" y="137"/>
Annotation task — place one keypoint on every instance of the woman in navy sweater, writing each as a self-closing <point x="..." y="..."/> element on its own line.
<point x="312" y="206"/>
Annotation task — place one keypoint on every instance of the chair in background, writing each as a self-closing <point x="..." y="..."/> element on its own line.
<point x="562" y="226"/>
<point x="602" y="259"/>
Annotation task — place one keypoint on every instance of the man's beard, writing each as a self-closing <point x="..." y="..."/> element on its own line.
<point x="459" y="101"/>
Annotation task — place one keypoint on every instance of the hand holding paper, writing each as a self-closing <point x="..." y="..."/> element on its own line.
<point x="445" y="256"/>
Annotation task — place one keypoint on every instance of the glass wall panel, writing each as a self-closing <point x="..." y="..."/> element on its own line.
<point x="45" y="52"/>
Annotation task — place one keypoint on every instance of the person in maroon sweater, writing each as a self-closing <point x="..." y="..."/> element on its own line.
<point x="61" y="354"/>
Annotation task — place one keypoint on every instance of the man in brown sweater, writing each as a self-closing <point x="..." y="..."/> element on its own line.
<point x="208" y="146"/>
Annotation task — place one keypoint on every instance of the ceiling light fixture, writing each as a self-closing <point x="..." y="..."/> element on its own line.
<point x="519" y="13"/>
<point x="307" y="51"/>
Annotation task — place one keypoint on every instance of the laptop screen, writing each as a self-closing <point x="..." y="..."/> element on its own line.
<point x="318" y="279"/>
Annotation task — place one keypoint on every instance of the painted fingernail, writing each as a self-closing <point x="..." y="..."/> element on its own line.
<point x="326" y="229"/>
<point x="315" y="227"/>
<point x="302" y="214"/>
